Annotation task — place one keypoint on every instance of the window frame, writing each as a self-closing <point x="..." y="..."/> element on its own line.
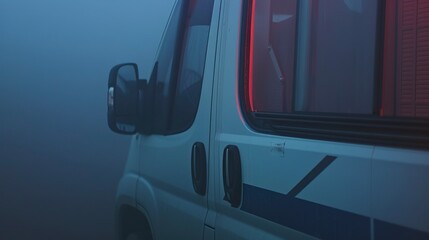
<point x="349" y="128"/>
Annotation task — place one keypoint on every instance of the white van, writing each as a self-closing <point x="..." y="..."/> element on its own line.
<point x="279" y="119"/>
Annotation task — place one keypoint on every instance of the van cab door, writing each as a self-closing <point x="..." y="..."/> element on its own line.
<point x="172" y="189"/>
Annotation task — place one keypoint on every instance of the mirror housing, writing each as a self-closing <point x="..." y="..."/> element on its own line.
<point x="123" y="99"/>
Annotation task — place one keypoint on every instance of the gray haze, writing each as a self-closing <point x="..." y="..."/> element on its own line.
<point x="59" y="163"/>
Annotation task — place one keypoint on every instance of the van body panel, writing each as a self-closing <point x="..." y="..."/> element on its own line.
<point x="400" y="189"/>
<point x="212" y="60"/>
<point x="293" y="185"/>
<point x="165" y="166"/>
<point x="126" y="190"/>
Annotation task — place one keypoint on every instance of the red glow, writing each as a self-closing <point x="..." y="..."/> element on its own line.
<point x="388" y="84"/>
<point x="251" y="55"/>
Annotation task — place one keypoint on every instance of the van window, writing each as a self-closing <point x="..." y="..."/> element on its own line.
<point x="189" y="82"/>
<point x="335" y="58"/>
<point x="272" y="53"/>
<point x="353" y="70"/>
<point x="178" y="72"/>
<point x="411" y="86"/>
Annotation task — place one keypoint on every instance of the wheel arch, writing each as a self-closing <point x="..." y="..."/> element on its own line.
<point x="131" y="219"/>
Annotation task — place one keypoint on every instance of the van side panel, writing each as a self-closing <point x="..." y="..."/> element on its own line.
<point x="235" y="223"/>
<point x="400" y="191"/>
<point x="300" y="188"/>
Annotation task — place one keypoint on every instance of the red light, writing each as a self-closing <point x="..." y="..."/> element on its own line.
<point x="251" y="54"/>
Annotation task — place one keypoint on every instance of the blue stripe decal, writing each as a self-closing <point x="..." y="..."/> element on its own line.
<point x="304" y="216"/>
<point x="326" y="161"/>
<point x="384" y="230"/>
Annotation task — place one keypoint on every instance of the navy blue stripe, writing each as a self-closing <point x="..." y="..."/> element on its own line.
<point x="320" y="167"/>
<point x="304" y="216"/>
<point x="384" y="230"/>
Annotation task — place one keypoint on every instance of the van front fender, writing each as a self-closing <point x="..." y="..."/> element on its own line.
<point x="146" y="202"/>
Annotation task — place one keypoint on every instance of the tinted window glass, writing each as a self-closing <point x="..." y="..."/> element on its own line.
<point x="343" y="70"/>
<point x="339" y="56"/>
<point x="313" y="56"/>
<point x="165" y="69"/>
<point x="411" y="85"/>
<point x="187" y="95"/>
<point x="178" y="73"/>
<point x="272" y="54"/>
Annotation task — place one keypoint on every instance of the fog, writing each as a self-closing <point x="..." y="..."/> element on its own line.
<point x="59" y="162"/>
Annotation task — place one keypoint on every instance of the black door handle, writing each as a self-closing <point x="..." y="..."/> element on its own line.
<point x="232" y="181"/>
<point x="199" y="168"/>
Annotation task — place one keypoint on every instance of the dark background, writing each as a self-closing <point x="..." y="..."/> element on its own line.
<point x="59" y="162"/>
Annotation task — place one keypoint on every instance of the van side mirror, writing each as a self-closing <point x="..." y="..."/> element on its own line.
<point x="123" y="98"/>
